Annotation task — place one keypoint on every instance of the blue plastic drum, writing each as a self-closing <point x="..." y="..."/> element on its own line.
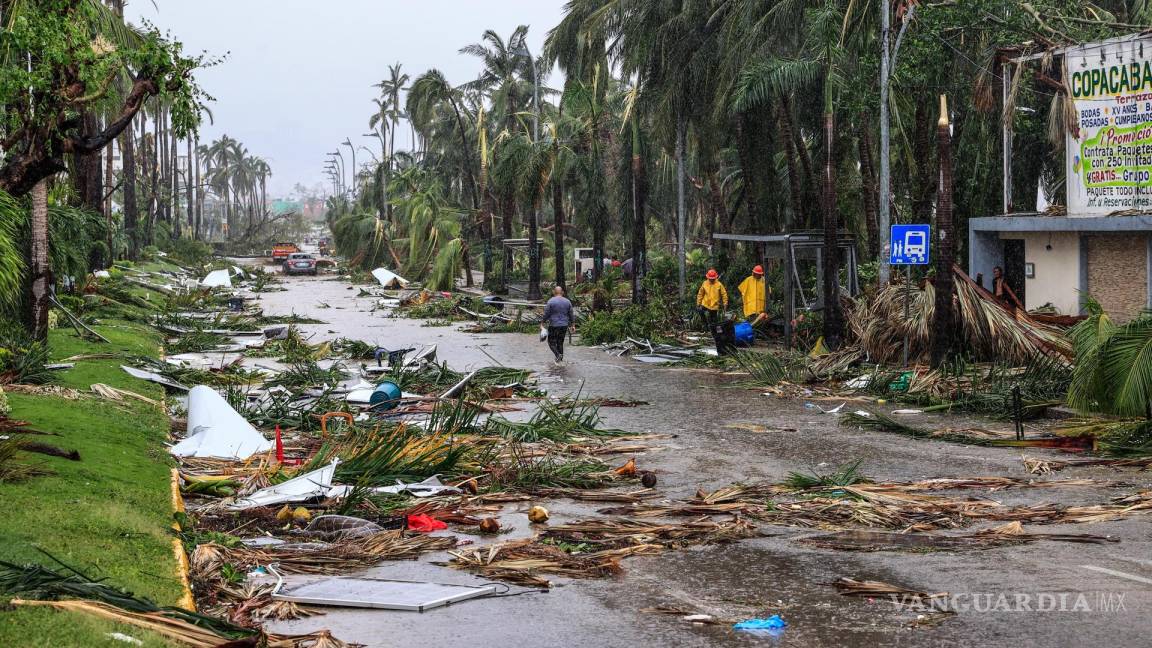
<point x="386" y="395"/>
<point x="745" y="336"/>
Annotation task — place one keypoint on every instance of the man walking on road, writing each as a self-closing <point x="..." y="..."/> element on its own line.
<point x="558" y="318"/>
<point x="711" y="298"/>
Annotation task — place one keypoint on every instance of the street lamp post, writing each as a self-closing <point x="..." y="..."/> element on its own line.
<point x="343" y="167"/>
<point x="355" y="169"/>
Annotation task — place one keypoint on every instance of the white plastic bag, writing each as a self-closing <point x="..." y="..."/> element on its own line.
<point x="543" y="333"/>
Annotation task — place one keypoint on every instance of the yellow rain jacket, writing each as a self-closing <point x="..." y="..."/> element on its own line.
<point x="712" y="295"/>
<point x="752" y="294"/>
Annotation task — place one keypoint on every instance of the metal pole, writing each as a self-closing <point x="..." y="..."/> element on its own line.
<point x="789" y="295"/>
<point x="681" y="217"/>
<point x="907" y="310"/>
<point x="885" y="168"/>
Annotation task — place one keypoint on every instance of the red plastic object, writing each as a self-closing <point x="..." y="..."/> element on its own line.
<point x="279" y="447"/>
<point x="423" y="524"/>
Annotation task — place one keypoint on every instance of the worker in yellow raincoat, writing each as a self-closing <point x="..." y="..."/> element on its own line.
<point x="753" y="296"/>
<point x="711" y="298"/>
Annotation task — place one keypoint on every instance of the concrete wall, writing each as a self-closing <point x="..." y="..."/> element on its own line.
<point x="1057" y="279"/>
<point x="1117" y="269"/>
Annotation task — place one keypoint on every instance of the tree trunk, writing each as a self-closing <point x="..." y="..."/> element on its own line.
<point x="108" y="189"/>
<point x="199" y="194"/>
<point x="639" y="217"/>
<point x="944" y="341"/>
<point x="808" y="178"/>
<point x="488" y="224"/>
<point x="795" y="183"/>
<point x="533" y="250"/>
<point x="926" y="177"/>
<point x="871" y="193"/>
<point x="131" y="204"/>
<point x="833" y="326"/>
<point x="39" y="264"/>
<point x="88" y="182"/>
<point x="189" y="195"/>
<point x="558" y="233"/>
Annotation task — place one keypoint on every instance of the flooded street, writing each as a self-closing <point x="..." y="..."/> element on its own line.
<point x="754" y="578"/>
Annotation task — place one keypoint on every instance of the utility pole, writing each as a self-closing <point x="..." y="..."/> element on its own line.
<point x="885" y="217"/>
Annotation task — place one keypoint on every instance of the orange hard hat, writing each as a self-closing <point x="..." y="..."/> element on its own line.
<point x="758" y="271"/>
<point x="712" y="274"/>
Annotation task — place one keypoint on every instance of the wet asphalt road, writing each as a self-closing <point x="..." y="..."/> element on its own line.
<point x="763" y="576"/>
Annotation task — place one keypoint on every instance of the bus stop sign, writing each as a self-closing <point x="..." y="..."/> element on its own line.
<point x="910" y="244"/>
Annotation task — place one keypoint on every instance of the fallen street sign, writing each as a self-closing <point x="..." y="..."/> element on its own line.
<point x="910" y="244"/>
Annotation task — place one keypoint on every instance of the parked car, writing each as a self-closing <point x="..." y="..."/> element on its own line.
<point x="300" y="263"/>
<point x="281" y="251"/>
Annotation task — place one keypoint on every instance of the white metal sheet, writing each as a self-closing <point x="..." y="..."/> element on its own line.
<point x="381" y="594"/>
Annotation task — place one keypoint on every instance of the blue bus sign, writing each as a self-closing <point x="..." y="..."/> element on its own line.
<point x="910" y="244"/>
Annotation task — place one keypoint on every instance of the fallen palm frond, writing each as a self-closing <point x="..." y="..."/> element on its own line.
<point x="762" y="368"/>
<point x="12" y="469"/>
<point x="1015" y="531"/>
<point x="39" y="582"/>
<point x="1119" y="508"/>
<point x="988" y="389"/>
<point x="567" y="419"/>
<point x="863" y="506"/>
<point x="625" y="532"/>
<point x="681" y="509"/>
<point x="633" y="497"/>
<point x="1116" y="437"/>
<point x="381" y="456"/>
<point x="846" y="475"/>
<point x="116" y="394"/>
<point x="251" y="604"/>
<point x="324" y="559"/>
<point x="185" y="633"/>
<point x="880" y="589"/>
<point x="753" y="493"/>
<point x="857" y="540"/>
<point x="522" y="561"/>
<point x="989" y="483"/>
<point x="1037" y="466"/>
<point x="530" y="473"/>
<point x="990" y="331"/>
<point x="877" y="421"/>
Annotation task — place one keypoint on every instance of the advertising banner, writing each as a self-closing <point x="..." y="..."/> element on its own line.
<point x="1109" y="151"/>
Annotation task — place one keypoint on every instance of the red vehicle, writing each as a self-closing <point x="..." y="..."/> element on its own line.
<point x="281" y="251"/>
<point x="300" y="263"/>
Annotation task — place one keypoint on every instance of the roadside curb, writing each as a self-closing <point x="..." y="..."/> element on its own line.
<point x="183" y="567"/>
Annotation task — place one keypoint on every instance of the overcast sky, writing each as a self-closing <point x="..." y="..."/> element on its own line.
<point x="298" y="75"/>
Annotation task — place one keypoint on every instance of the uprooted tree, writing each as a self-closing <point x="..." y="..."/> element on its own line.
<point x="72" y="78"/>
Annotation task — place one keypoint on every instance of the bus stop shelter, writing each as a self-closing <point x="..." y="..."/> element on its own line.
<point x="794" y="250"/>
<point x="511" y="247"/>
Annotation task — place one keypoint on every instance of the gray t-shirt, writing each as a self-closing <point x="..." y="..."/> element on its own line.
<point x="558" y="312"/>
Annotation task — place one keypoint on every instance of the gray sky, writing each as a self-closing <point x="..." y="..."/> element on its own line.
<point x="298" y="76"/>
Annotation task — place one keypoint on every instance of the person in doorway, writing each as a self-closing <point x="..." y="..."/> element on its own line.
<point x="753" y="296"/>
<point x="712" y="298"/>
<point x="1003" y="292"/>
<point x="558" y="318"/>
